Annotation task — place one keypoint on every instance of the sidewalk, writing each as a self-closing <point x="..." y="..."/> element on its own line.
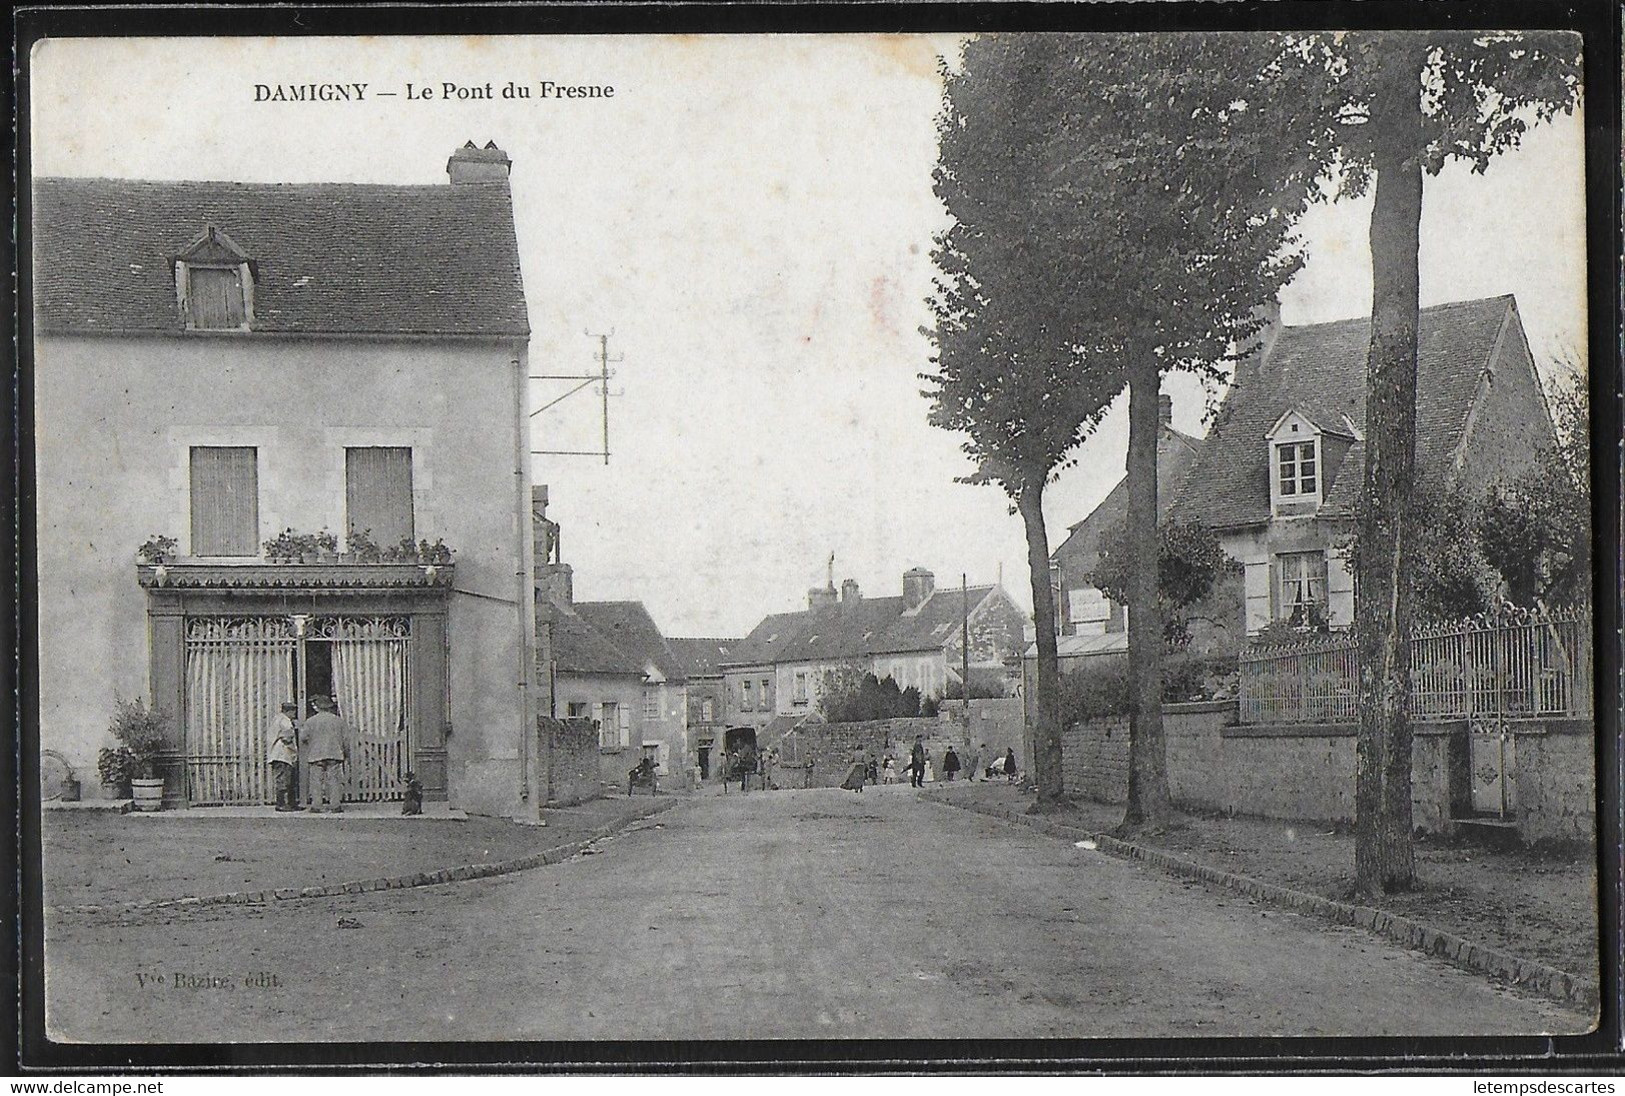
<point x="96" y="858"/>
<point x="1542" y="908"/>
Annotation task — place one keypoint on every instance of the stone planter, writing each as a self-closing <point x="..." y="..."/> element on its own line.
<point x="148" y="793"/>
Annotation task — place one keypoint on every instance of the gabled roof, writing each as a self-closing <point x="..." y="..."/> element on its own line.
<point x="1176" y="453"/>
<point x="701" y="657"/>
<point x="329" y="258"/>
<point x="1319" y="369"/>
<point x="869" y="626"/>
<point x="628" y="625"/>
<point x="578" y="647"/>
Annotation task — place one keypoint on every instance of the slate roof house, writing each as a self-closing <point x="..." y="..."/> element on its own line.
<point x="217" y="362"/>
<point x="705" y="693"/>
<point x="1280" y="475"/>
<point x="1082" y="609"/>
<point x="777" y="671"/>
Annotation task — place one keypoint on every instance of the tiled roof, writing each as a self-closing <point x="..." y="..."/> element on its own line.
<point x="578" y="648"/>
<point x="628" y="625"/>
<point x="701" y="657"/>
<point x="1320" y="369"/>
<point x="870" y="626"/>
<point x="328" y="258"/>
<point x="1176" y="453"/>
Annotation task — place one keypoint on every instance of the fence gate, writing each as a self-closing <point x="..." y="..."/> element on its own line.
<point x="238" y="672"/>
<point x="1487" y="757"/>
<point x="369" y="659"/>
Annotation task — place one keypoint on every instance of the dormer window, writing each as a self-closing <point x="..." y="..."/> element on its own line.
<point x="1297" y="466"/>
<point x="1296" y="469"/>
<point x="214" y="284"/>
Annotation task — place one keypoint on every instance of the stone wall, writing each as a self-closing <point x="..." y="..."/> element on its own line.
<point x="1553" y="790"/>
<point x="573" y="767"/>
<point x="1308" y="771"/>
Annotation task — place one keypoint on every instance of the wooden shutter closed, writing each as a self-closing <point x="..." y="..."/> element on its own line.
<point x="225" y="501"/>
<point x="216" y="297"/>
<point x="378" y="493"/>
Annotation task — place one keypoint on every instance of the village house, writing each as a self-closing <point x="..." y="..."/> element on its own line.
<point x="774" y="677"/>
<point x="706" y="697"/>
<point x="1279" y="477"/>
<point x="588" y="675"/>
<point x="219" y="363"/>
<point x="663" y="706"/>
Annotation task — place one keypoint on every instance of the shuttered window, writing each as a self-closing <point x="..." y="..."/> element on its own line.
<point x="378" y="493"/>
<point x="225" y="501"/>
<point x="215" y="296"/>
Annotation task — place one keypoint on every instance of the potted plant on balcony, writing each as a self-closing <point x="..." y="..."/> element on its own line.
<point x="158" y="549"/>
<point x="116" y="766"/>
<point x="326" y="544"/>
<point x="362" y="547"/>
<point x="143" y="732"/>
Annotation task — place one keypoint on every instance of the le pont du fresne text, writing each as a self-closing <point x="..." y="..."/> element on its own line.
<point x="444" y="91"/>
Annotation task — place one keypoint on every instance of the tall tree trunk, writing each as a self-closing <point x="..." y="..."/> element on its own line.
<point x="1383" y="855"/>
<point x="1148" y="801"/>
<point x="1046" y="730"/>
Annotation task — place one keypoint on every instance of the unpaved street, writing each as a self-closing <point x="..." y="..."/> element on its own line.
<point x="805" y="914"/>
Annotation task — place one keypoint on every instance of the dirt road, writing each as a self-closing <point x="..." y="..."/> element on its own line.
<point x="805" y="914"/>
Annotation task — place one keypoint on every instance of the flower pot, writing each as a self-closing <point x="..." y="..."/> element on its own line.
<point x="114" y="791"/>
<point x="148" y="793"/>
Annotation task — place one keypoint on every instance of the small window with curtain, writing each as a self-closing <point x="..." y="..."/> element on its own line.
<point x="1302" y="600"/>
<point x="225" y="500"/>
<point x="378" y="493"/>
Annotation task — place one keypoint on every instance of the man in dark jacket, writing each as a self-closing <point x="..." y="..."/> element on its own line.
<point x="916" y="763"/>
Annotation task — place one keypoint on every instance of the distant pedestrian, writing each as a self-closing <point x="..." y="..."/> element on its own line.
<point x="326" y="745"/>
<point x="916" y="763"/>
<point x="874" y="771"/>
<point x="284" y="756"/>
<point x="950" y="765"/>
<point x="973" y="764"/>
<point x="1010" y="765"/>
<point x="888" y="770"/>
<point x="856" y="771"/>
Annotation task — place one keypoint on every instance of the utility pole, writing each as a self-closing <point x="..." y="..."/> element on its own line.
<point x="601" y="377"/>
<point x="964" y="645"/>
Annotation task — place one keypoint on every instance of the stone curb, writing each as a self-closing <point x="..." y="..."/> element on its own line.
<point x="391" y="882"/>
<point x="1558" y="985"/>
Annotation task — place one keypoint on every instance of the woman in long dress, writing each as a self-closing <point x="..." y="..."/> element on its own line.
<point x="856" y="772"/>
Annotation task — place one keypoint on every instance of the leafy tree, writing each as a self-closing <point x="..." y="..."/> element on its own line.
<point x="1452" y="578"/>
<point x="1014" y="383"/>
<point x="1398" y="106"/>
<point x="1183" y="164"/>
<point x="1189" y="564"/>
<point x="1536" y="530"/>
<point x="851" y="695"/>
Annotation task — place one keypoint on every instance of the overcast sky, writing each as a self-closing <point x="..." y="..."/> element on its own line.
<point x="751" y="217"/>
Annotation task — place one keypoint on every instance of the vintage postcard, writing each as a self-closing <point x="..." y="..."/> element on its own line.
<point x="824" y="536"/>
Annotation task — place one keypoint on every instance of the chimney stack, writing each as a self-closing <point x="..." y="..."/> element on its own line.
<point x="1165" y="410"/>
<point x="849" y="592"/>
<point x="1268" y="316"/>
<point x="479" y="165"/>
<point x="917" y="586"/>
<point x="556" y="582"/>
<point x="820" y="597"/>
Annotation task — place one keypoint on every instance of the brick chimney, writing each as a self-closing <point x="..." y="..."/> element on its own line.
<point x="849" y="592"/>
<point x="917" y="586"/>
<point x="1165" y="411"/>
<point x="479" y="165"/>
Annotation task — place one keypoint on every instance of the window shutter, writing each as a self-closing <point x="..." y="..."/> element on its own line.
<point x="225" y="501"/>
<point x="216" y="295"/>
<point x="625" y="715"/>
<point x="378" y="493"/>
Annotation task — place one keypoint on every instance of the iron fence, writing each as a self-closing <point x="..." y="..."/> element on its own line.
<point x="1510" y="664"/>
